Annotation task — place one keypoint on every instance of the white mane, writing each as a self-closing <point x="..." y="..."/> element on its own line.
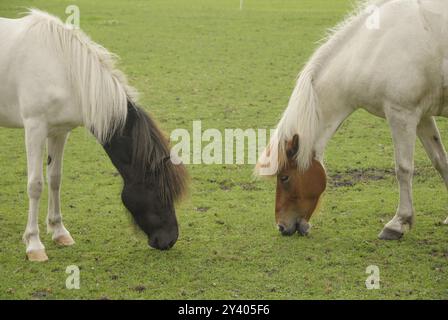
<point x="302" y="114"/>
<point x="100" y="89"/>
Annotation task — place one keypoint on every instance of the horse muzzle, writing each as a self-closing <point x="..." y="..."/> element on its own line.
<point x="162" y="242"/>
<point x="302" y="227"/>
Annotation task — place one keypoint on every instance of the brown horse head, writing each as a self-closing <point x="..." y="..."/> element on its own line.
<point x="298" y="191"/>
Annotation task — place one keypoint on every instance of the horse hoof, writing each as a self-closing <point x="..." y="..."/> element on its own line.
<point x="64" y="240"/>
<point x="389" y="234"/>
<point x="37" y="256"/>
<point x="446" y="221"/>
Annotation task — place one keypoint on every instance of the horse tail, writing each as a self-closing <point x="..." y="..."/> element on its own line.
<point x="99" y="89"/>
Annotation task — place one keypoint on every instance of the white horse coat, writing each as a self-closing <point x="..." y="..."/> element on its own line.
<point x="397" y="70"/>
<point x="45" y="84"/>
<point x="54" y="79"/>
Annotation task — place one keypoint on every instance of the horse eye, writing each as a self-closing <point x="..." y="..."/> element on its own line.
<point x="284" y="178"/>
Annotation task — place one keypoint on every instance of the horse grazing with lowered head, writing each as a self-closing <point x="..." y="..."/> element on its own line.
<point x="397" y="70"/>
<point x="54" y="78"/>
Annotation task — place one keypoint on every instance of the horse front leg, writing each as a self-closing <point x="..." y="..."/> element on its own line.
<point x="432" y="142"/>
<point x="35" y="135"/>
<point x="403" y="125"/>
<point x="54" y="176"/>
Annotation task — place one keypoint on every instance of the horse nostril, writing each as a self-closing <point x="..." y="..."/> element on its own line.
<point x="171" y="244"/>
<point x="285" y="231"/>
<point x="154" y="243"/>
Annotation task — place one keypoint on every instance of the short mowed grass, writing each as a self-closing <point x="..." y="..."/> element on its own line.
<point x="207" y="60"/>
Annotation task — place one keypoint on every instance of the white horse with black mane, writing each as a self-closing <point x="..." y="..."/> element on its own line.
<point x="398" y="71"/>
<point x="53" y="79"/>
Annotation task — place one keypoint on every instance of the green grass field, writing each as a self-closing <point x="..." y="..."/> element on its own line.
<point x="207" y="60"/>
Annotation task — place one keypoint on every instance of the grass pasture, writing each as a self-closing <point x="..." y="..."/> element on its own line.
<point x="208" y="60"/>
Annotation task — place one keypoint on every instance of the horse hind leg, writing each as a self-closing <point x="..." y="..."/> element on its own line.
<point x="35" y="135"/>
<point x="54" y="176"/>
<point x="430" y="137"/>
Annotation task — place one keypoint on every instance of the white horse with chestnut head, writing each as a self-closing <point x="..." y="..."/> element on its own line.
<point x="397" y="70"/>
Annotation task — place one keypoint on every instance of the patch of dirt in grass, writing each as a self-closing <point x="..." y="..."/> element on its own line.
<point x="41" y="294"/>
<point x="351" y="177"/>
<point x="226" y="185"/>
<point x="249" y="186"/>
<point x="139" y="288"/>
<point x="202" y="209"/>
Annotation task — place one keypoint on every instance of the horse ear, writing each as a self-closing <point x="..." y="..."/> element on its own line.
<point x="293" y="147"/>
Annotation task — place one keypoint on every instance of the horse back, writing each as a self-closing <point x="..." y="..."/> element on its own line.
<point x="34" y="79"/>
<point x="399" y="61"/>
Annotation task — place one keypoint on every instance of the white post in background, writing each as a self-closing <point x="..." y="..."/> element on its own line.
<point x="241" y="4"/>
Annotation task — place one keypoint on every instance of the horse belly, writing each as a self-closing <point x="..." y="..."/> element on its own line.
<point x="9" y="118"/>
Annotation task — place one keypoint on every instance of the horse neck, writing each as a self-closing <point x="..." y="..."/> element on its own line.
<point x="333" y="109"/>
<point x="330" y="78"/>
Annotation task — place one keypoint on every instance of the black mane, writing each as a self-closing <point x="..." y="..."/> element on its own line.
<point x="141" y="154"/>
